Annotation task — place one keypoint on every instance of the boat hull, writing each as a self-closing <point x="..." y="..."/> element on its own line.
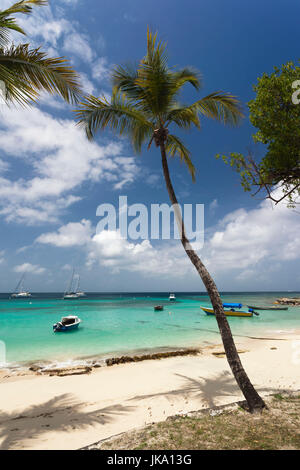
<point x="64" y="328"/>
<point x="228" y="313"/>
<point x="268" y="308"/>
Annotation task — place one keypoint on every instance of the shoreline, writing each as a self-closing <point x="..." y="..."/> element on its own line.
<point x="44" y="366"/>
<point x="40" y="411"/>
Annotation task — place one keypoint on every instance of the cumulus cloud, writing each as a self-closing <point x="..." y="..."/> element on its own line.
<point x="255" y="238"/>
<point x="246" y="244"/>
<point x="29" y="268"/>
<point x="60" y="158"/>
<point x="109" y="249"/>
<point x="78" y="44"/>
<point x="72" y="234"/>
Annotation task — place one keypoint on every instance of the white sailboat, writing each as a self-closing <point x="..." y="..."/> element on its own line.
<point x="77" y="290"/>
<point x="20" y="292"/>
<point x="70" y="293"/>
<point x="74" y="291"/>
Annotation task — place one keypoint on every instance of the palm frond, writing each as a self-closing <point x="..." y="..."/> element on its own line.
<point x="7" y="23"/>
<point x="186" y="75"/>
<point x="183" y="117"/>
<point x="124" y="79"/>
<point x="32" y="71"/>
<point x="174" y="146"/>
<point x="221" y="106"/>
<point x="118" y="115"/>
<point x="23" y="6"/>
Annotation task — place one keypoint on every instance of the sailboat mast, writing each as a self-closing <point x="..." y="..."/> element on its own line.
<point x="71" y="282"/>
<point x="78" y="284"/>
<point x="19" y="287"/>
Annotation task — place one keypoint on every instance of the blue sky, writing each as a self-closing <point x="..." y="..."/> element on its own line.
<point x="52" y="179"/>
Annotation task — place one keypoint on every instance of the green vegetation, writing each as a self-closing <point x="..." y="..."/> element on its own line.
<point x="275" y="112"/>
<point x="24" y="71"/>
<point x="277" y="427"/>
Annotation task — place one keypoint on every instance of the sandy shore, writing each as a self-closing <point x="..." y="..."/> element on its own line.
<point x="70" y="412"/>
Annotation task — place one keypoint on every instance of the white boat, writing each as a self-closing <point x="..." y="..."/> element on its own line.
<point x="77" y="290"/>
<point x="172" y="297"/>
<point x="71" y="322"/>
<point x="20" y="292"/>
<point x="71" y="293"/>
<point x="71" y="296"/>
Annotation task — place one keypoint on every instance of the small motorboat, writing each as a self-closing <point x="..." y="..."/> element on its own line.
<point x="231" y="310"/>
<point x="158" y="308"/>
<point x="68" y="323"/>
<point x="267" y="308"/>
<point x="172" y="297"/>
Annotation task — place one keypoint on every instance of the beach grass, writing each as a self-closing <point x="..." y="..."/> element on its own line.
<point x="278" y="427"/>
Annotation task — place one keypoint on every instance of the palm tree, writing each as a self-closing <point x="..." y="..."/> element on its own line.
<point x="25" y="71"/>
<point x="144" y="105"/>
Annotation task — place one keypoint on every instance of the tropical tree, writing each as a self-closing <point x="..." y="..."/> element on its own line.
<point x="275" y="113"/>
<point x="144" y="105"/>
<point x="24" y="71"/>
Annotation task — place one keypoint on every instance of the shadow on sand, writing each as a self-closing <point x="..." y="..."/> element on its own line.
<point x="207" y="390"/>
<point x="61" y="413"/>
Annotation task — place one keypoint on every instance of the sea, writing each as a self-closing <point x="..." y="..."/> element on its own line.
<point x="115" y="324"/>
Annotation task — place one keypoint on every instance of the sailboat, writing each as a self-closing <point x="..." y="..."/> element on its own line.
<point x="70" y="293"/>
<point x="77" y="290"/>
<point x="20" y="292"/>
<point x="73" y="291"/>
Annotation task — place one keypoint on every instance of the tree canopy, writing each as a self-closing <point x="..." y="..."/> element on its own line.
<point x="146" y="99"/>
<point x="275" y="112"/>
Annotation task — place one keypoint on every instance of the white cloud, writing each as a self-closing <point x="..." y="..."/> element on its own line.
<point x="247" y="246"/>
<point x="109" y="249"/>
<point x="254" y="239"/>
<point x="78" y="44"/>
<point x="61" y="159"/>
<point x="29" y="268"/>
<point x="213" y="206"/>
<point x="101" y="69"/>
<point x="2" y="256"/>
<point x="72" y="234"/>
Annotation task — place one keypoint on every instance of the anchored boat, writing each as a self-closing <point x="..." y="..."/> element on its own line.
<point x="74" y="292"/>
<point x="172" y="297"/>
<point x="20" y="292"/>
<point x="231" y="310"/>
<point x="68" y="323"/>
<point x="158" y="308"/>
<point x="267" y="308"/>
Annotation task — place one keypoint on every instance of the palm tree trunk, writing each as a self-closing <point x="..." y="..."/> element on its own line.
<point x="255" y="402"/>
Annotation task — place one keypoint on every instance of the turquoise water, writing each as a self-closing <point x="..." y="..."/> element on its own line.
<point x="114" y="324"/>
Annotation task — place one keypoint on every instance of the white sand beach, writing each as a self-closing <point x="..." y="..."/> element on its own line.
<point x="51" y="412"/>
